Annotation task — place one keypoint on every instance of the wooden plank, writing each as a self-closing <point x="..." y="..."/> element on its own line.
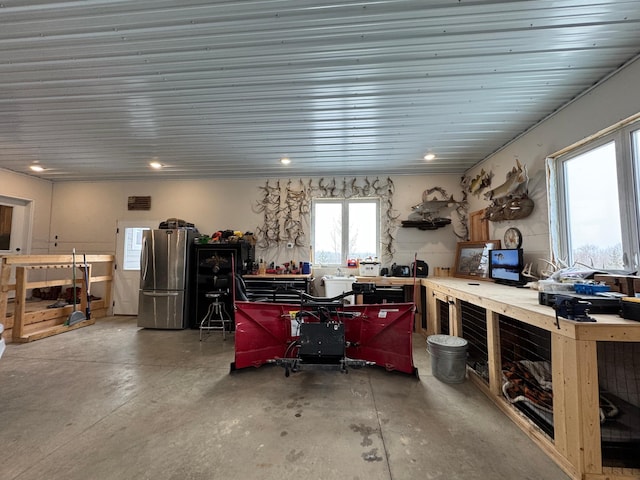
<point x="478" y="226"/>
<point x="108" y="279"/>
<point x="101" y="278"/>
<point x="44" y="324"/>
<point x="614" y="474"/>
<point x="493" y="351"/>
<point x="565" y="376"/>
<point x="19" y="301"/>
<point x="589" y="402"/>
<point x="48" y="267"/>
<point x="54" y="331"/>
<point x="5" y="275"/>
<point x="610" y="329"/>
<point x="433" y="316"/>
<point x="559" y="393"/>
<point x="576" y="403"/>
<point x="53" y="259"/>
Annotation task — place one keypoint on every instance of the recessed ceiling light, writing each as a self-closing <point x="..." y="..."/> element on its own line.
<point x="156" y="165"/>
<point x="285" y="160"/>
<point x="37" y="168"/>
<point x="430" y="156"/>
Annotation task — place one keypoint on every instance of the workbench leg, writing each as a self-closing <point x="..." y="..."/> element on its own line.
<point x="21" y="297"/>
<point x="576" y="404"/>
<point x="493" y="353"/>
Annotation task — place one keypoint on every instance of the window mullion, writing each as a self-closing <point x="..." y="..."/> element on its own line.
<point x="345" y="231"/>
<point x="627" y="166"/>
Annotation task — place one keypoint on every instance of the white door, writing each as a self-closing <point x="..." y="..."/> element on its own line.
<point x="126" y="280"/>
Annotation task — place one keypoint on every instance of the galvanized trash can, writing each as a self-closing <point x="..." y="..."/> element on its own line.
<point x="448" y="357"/>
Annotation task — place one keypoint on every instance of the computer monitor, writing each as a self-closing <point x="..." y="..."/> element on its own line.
<point x="506" y="265"/>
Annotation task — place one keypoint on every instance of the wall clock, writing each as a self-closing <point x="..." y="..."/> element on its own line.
<point x="512" y="238"/>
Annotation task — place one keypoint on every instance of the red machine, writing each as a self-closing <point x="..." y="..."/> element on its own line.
<point x="323" y="333"/>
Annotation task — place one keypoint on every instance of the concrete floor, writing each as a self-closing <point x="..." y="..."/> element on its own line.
<point x="112" y="401"/>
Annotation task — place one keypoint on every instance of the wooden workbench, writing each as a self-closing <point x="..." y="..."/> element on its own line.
<point x="576" y="444"/>
<point x="26" y="323"/>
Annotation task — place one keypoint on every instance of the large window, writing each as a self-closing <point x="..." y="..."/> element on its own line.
<point x="597" y="196"/>
<point x="343" y="229"/>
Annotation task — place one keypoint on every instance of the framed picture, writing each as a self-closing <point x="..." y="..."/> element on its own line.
<point x="472" y="259"/>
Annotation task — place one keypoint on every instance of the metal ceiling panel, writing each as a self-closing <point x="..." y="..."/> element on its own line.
<point x="99" y="88"/>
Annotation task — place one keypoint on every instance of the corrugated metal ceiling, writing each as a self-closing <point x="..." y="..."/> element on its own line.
<point x="97" y="89"/>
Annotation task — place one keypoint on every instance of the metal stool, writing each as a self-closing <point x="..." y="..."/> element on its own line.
<point x="216" y="314"/>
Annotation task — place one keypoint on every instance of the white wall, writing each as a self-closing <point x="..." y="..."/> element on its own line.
<point x="605" y="105"/>
<point x="84" y="214"/>
<point x="39" y="193"/>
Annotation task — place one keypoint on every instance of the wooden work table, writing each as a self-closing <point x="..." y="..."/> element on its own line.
<point x="522" y="304"/>
<point x="576" y="444"/>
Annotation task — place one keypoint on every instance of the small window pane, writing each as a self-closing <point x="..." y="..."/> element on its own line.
<point x="363" y="239"/>
<point x="327" y="238"/>
<point x="132" y="248"/>
<point x="593" y="216"/>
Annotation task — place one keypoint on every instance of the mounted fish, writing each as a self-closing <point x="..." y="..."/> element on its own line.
<point x="425" y="215"/>
<point x="429" y="208"/>
<point x="516" y="184"/>
<point x="480" y="182"/>
<point x="510" y="201"/>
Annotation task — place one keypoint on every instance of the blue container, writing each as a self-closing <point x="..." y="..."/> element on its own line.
<point x="590" y="288"/>
<point x="306" y="268"/>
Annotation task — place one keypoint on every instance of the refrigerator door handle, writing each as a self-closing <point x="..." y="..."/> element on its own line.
<point x="145" y="259"/>
<point x="161" y="294"/>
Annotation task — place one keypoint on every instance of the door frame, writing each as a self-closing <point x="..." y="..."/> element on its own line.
<point x="22" y="222"/>
<point x="118" y="277"/>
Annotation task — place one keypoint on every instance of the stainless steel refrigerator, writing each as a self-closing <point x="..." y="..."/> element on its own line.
<point x="164" y="265"/>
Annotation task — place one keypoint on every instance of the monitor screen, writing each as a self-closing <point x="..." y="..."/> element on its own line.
<point x="506" y="265"/>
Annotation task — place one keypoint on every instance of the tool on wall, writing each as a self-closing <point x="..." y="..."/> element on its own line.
<point x="75" y="316"/>
<point x="86" y="286"/>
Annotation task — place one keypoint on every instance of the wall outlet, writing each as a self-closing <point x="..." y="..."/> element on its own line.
<point x="289" y="244"/>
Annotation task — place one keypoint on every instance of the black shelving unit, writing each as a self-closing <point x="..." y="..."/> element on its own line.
<point x="210" y="271"/>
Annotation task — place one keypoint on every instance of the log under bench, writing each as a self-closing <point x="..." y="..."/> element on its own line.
<point x="594" y="368"/>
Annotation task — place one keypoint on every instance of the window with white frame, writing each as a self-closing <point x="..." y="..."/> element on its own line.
<point x="596" y="195"/>
<point x="345" y="228"/>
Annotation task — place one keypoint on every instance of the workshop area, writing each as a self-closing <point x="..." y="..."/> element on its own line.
<point x="120" y="402"/>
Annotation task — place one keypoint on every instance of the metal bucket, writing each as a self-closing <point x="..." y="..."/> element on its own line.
<point x="448" y="357"/>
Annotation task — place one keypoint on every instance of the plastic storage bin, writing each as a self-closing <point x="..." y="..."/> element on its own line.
<point x="591" y="288"/>
<point x="369" y="269"/>
<point x="448" y="357"/>
<point x="334" y="286"/>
